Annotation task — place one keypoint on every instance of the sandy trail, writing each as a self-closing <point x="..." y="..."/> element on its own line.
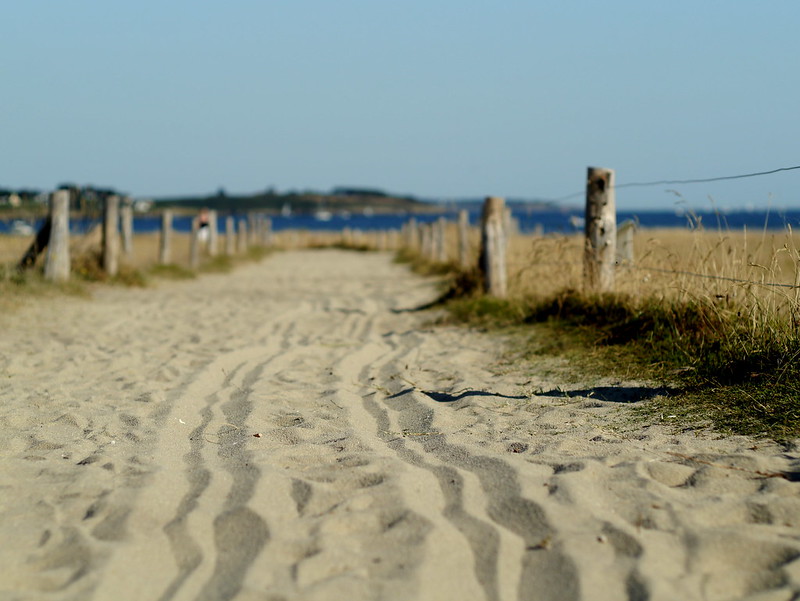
<point x="288" y="431"/>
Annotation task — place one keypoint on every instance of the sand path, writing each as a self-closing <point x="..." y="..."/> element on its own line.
<point x="289" y="432"/>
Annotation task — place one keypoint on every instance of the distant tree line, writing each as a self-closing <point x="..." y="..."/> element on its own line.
<point x="82" y="198"/>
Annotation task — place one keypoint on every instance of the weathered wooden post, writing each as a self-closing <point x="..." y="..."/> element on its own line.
<point x="258" y="237"/>
<point x="441" y="240"/>
<point x="427" y="242"/>
<point x="493" y="247"/>
<point x="252" y="229"/>
<point x="625" y="233"/>
<point x="126" y="219"/>
<point x="213" y="234"/>
<point x="111" y="235"/>
<point x="601" y="231"/>
<point x="267" y="231"/>
<point x="463" y="239"/>
<point x="413" y="235"/>
<point x="230" y="236"/>
<point x="165" y="246"/>
<point x="242" y="236"/>
<point x="194" y="244"/>
<point x="56" y="266"/>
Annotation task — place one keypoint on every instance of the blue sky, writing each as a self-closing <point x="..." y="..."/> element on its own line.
<point x="437" y="98"/>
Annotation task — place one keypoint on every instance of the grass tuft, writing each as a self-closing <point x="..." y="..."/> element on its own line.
<point x="171" y="271"/>
<point x="740" y="380"/>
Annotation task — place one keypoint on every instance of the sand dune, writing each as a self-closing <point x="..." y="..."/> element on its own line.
<point x="289" y="431"/>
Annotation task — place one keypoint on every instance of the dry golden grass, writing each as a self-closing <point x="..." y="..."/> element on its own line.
<point x="730" y="270"/>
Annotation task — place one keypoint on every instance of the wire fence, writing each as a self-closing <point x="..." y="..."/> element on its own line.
<point x="686" y="272"/>
<point x="676" y="182"/>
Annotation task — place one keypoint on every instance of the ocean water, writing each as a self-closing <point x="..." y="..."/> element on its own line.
<point x="562" y="221"/>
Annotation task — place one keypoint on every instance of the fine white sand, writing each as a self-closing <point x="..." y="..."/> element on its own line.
<point x="290" y="431"/>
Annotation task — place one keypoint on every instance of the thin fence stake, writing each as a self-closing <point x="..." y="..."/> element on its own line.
<point x="230" y="236"/>
<point x="111" y="235"/>
<point x="57" y="263"/>
<point x="441" y="240"/>
<point x="601" y="231"/>
<point x="463" y="238"/>
<point x="625" y="233"/>
<point x="126" y="220"/>
<point x="243" y="236"/>
<point x="213" y="234"/>
<point x="493" y="247"/>
<point x="165" y="246"/>
<point x="194" y="244"/>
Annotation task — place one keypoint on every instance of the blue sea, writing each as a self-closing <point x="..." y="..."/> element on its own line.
<point x="559" y="221"/>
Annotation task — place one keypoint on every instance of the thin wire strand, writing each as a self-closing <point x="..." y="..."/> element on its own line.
<point x="671" y="182"/>
<point x="712" y="277"/>
<point x="676" y="272"/>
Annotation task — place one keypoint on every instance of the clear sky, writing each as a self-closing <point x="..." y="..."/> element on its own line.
<point x="436" y="98"/>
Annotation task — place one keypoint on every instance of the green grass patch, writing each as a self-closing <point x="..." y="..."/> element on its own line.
<point x="18" y="287"/>
<point x="88" y="268"/>
<point x="170" y="271"/>
<point x="740" y="379"/>
<point x="218" y="264"/>
<point x="424" y="267"/>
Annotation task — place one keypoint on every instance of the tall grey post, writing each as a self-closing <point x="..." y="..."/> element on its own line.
<point x="267" y="231"/>
<point x="463" y="239"/>
<point x="625" y="233"/>
<point x="601" y="231"/>
<point x="230" y="236"/>
<point x="194" y="244"/>
<point x="243" y="241"/>
<point x="56" y="266"/>
<point x="111" y="235"/>
<point x="413" y="235"/>
<point x="493" y="247"/>
<point x="165" y="245"/>
<point x="441" y="240"/>
<point x="252" y="229"/>
<point x="126" y="221"/>
<point x="213" y="234"/>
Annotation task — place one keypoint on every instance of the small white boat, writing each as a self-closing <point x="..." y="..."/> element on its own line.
<point x="323" y="215"/>
<point x="577" y="222"/>
<point x="21" y="228"/>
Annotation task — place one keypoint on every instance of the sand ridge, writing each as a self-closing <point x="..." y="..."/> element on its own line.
<point x="289" y="431"/>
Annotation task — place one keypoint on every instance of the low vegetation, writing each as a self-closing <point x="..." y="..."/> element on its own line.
<point x="726" y="339"/>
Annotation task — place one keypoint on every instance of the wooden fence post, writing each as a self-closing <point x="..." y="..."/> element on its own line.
<point x="242" y="236"/>
<point x="165" y="246"/>
<point x="463" y="239"/>
<point x="413" y="235"/>
<point x="625" y="233"/>
<point x="252" y="229"/>
<point x="194" y="244"/>
<point x="111" y="235"/>
<point x="267" y="231"/>
<point x="126" y="220"/>
<point x="441" y="240"/>
<point x="56" y="267"/>
<point x="213" y="234"/>
<point x="601" y="231"/>
<point x="426" y="243"/>
<point x="230" y="236"/>
<point x="493" y="247"/>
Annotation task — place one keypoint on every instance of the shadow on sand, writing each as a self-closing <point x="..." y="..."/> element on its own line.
<point x="611" y="394"/>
